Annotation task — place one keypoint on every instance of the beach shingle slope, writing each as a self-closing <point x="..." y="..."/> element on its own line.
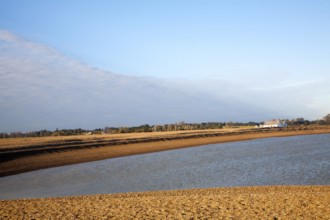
<point x="266" y="202"/>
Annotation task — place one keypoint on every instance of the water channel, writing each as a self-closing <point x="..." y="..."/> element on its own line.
<point x="297" y="160"/>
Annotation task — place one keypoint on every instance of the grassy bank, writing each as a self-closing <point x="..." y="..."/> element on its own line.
<point x="26" y="154"/>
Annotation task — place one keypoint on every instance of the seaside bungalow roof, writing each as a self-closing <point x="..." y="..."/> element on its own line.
<point x="275" y="123"/>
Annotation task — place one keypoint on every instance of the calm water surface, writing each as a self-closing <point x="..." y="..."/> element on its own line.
<point x="299" y="160"/>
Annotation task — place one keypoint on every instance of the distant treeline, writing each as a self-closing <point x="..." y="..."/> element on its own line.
<point x="180" y="126"/>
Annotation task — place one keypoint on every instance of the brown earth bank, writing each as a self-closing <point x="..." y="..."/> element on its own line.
<point x="18" y="155"/>
<point x="265" y="202"/>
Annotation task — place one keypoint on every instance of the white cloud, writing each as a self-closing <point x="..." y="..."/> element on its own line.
<point x="8" y="37"/>
<point x="42" y="88"/>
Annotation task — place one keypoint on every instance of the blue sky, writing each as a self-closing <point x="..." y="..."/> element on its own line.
<point x="251" y="60"/>
<point x="190" y="39"/>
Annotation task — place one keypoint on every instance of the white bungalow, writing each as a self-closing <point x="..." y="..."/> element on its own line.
<point x="275" y="123"/>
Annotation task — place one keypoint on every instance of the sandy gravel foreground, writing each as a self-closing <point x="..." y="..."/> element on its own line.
<point x="268" y="202"/>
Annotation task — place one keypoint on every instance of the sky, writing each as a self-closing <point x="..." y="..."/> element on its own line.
<point x="267" y="54"/>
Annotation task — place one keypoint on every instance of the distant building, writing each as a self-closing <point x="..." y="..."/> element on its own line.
<point x="275" y="123"/>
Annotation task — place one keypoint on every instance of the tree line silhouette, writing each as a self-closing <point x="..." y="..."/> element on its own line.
<point x="180" y="126"/>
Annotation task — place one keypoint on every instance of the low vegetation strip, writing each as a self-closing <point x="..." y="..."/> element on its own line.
<point x="266" y="202"/>
<point x="56" y="152"/>
<point x="16" y="152"/>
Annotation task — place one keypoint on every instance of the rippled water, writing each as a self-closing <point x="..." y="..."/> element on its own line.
<point x="299" y="160"/>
